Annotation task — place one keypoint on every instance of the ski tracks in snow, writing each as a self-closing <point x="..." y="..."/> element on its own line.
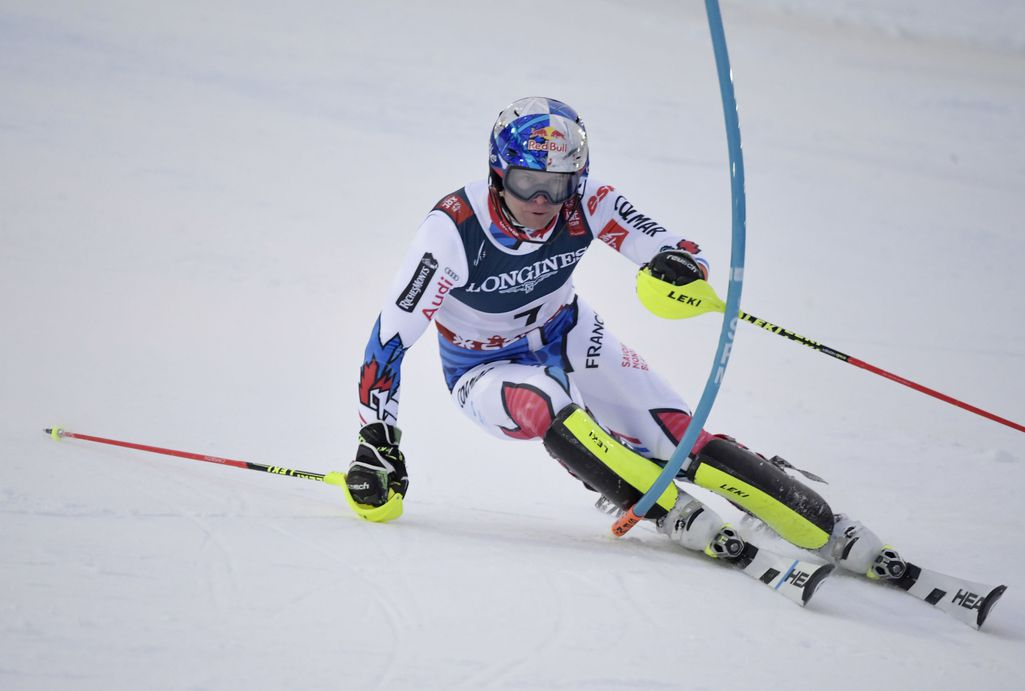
<point x="221" y="573"/>
<point x="500" y="673"/>
<point x="377" y="676"/>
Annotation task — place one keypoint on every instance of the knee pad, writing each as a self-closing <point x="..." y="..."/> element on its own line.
<point x="793" y="510"/>
<point x="602" y="463"/>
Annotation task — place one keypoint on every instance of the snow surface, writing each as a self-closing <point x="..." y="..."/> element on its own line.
<point x="201" y="203"/>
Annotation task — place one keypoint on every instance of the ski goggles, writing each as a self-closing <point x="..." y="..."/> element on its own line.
<point x="525" y="184"/>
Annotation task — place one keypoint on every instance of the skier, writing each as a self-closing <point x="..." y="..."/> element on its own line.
<point x="526" y="358"/>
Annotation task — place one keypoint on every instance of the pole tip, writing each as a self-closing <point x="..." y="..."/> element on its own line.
<point x="55" y="432"/>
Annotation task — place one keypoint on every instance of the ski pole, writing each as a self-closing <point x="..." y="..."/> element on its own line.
<point x="386" y="512"/>
<point x="58" y="434"/>
<point x="843" y="357"/>
<point x="700" y="297"/>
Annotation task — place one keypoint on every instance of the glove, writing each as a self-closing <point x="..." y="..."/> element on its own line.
<point x="379" y="465"/>
<point x="676" y="267"/>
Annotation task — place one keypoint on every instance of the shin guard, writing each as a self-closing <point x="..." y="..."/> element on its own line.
<point x="796" y="512"/>
<point x="601" y="462"/>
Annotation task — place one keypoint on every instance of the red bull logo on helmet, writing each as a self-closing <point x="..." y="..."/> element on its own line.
<point x="547" y="139"/>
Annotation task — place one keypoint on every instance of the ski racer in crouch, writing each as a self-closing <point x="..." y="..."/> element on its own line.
<point x="527" y="358"/>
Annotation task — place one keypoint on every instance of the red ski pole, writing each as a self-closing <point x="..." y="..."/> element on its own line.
<point x="58" y="434"/>
<point x="797" y="338"/>
<point x="391" y="510"/>
<point x="699" y="297"/>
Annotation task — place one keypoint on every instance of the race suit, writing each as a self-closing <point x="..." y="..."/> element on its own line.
<point x="517" y="344"/>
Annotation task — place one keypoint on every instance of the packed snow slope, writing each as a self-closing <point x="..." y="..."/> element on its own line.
<point x="201" y="204"/>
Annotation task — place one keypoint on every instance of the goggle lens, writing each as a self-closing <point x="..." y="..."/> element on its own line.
<point x="526" y="184"/>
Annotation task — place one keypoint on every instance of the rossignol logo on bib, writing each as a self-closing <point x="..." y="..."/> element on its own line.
<point x="526" y="279"/>
<point x="414" y="290"/>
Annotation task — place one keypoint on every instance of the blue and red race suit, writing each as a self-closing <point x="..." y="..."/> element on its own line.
<point x="516" y="342"/>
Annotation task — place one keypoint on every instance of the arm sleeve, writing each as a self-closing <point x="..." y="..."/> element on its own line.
<point x="434" y="264"/>
<point x="622" y="226"/>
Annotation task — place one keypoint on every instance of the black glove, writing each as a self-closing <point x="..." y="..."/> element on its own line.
<point x="676" y="267"/>
<point x="379" y="465"/>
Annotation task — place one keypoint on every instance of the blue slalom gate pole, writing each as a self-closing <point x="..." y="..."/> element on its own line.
<point x="736" y="279"/>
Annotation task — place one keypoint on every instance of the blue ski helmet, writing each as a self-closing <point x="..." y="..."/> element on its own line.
<point x="538" y="134"/>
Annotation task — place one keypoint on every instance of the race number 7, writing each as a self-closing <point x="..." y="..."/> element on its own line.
<point x="530" y="314"/>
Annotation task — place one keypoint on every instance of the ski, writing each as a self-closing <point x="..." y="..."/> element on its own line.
<point x="967" y="601"/>
<point x="795" y="579"/>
